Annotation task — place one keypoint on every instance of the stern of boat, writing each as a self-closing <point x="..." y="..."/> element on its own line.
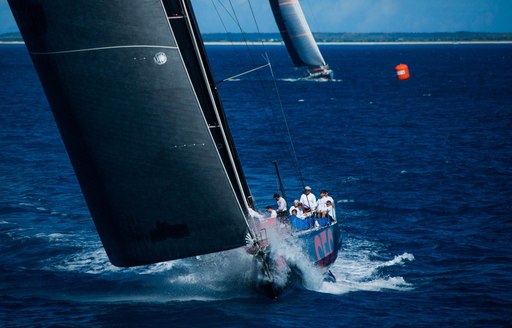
<point x="321" y="73"/>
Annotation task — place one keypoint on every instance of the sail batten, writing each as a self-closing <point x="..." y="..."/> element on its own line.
<point x="135" y="122"/>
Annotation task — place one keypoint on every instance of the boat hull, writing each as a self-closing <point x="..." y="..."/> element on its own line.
<point x="320" y="244"/>
<point x="324" y="74"/>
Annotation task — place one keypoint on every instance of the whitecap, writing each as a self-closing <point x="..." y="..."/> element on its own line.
<point x="399" y="259"/>
<point x="51" y="236"/>
<point x="357" y="270"/>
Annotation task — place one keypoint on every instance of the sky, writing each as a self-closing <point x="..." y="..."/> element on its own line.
<point x="355" y="16"/>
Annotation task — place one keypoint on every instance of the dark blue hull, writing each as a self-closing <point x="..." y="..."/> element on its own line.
<point x="322" y="244"/>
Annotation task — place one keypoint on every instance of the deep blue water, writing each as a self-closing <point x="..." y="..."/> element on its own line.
<point x="421" y="171"/>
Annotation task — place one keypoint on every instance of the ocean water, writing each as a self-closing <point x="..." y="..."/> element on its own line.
<point x="421" y="172"/>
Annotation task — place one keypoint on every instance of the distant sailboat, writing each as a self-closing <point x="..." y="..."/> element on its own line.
<point x="135" y="101"/>
<point x="298" y="38"/>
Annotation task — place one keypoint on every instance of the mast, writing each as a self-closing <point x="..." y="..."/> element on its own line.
<point x="281" y="187"/>
<point x="213" y="109"/>
<point x="134" y="101"/>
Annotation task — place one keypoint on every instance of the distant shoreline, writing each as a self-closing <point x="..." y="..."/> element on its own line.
<point x="12" y="42"/>
<point x="361" y="43"/>
<point x="252" y="43"/>
<point x="343" y="38"/>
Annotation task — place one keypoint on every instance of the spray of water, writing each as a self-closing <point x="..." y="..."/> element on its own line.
<point x="309" y="80"/>
<point x="298" y="262"/>
<point x="232" y="273"/>
<point x="357" y="270"/>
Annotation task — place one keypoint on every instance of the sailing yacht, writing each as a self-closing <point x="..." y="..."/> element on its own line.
<point x="136" y="105"/>
<point x="299" y="40"/>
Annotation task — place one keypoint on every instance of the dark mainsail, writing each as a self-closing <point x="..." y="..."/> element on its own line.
<point x="133" y="97"/>
<point x="297" y="36"/>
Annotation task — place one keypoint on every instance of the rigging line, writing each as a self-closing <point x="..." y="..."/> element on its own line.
<point x="293" y="152"/>
<point x="233" y="16"/>
<point x="230" y="39"/>
<point x="253" y="61"/>
<point x="248" y="51"/>
<point x="277" y="128"/>
<point x="247" y="72"/>
<point x="242" y="31"/>
<point x="220" y="18"/>
<point x="256" y="23"/>
<point x="190" y="27"/>
<point x="267" y="59"/>
<point x="260" y="37"/>
<point x="230" y="15"/>
<point x="237" y="22"/>
<point x="280" y="130"/>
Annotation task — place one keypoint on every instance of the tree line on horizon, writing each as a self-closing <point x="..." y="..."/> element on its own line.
<point x="364" y="37"/>
<point x="340" y="37"/>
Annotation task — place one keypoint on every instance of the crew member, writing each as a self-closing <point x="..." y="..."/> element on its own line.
<point x="308" y="200"/>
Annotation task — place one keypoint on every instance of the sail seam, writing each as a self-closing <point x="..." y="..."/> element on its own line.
<point x="99" y="48"/>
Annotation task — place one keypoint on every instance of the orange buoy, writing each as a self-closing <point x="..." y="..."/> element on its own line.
<point x="402" y="72"/>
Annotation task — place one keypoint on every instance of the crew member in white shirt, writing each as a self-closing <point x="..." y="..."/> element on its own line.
<point x="308" y="200"/>
<point x="273" y="213"/>
<point x="281" y="205"/>
<point x="331" y="212"/>
<point x="298" y="207"/>
<point x="321" y="204"/>
<point x="255" y="215"/>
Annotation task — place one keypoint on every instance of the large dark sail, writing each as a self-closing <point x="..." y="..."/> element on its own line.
<point x="131" y="93"/>
<point x="297" y="35"/>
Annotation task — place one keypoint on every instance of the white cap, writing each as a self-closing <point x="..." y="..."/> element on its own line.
<point x="307" y="188"/>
